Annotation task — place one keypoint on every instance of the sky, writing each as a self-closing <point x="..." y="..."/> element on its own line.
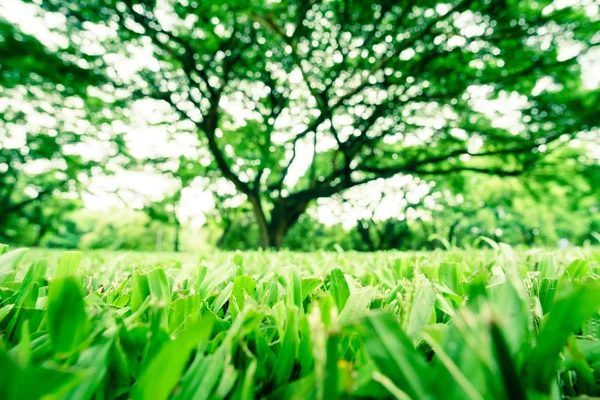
<point x="136" y="188"/>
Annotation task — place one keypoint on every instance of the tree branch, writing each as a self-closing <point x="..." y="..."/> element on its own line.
<point x="41" y="194"/>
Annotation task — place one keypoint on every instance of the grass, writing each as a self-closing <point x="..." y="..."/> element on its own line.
<point x="455" y="325"/>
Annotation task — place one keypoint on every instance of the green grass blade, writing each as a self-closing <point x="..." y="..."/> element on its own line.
<point x="572" y="307"/>
<point x="67" y="319"/>
<point x="243" y="284"/>
<point x="394" y="354"/>
<point x="510" y="374"/>
<point x="339" y="288"/>
<point x="469" y="390"/>
<point x="68" y="265"/>
<point x="289" y="348"/>
<point x="164" y="371"/>
<point x="9" y="260"/>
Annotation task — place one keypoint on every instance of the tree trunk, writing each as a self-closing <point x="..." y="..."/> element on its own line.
<point x="159" y="235"/>
<point x="274" y="234"/>
<point x="528" y="236"/>
<point x="389" y="238"/>
<point x="452" y="232"/>
<point x="40" y="235"/>
<point x="223" y="237"/>
<point x="277" y="234"/>
<point x="365" y="233"/>
<point x="263" y="226"/>
<point x="283" y="217"/>
<point x="177" y="230"/>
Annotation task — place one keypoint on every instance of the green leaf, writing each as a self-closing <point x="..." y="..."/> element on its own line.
<point x="300" y="389"/>
<point x="573" y="305"/>
<point x="339" y="288"/>
<point x="67" y="319"/>
<point x="5" y="311"/>
<point x="243" y="284"/>
<point x="184" y="313"/>
<point x="23" y="350"/>
<point x="140" y="289"/>
<point x="449" y="275"/>
<point x="305" y="353"/>
<point x="578" y="269"/>
<point x="246" y="389"/>
<point x="512" y="314"/>
<point x="421" y="308"/>
<point x="68" y="265"/>
<point x="309" y="285"/>
<point x="293" y="288"/>
<point x="510" y="373"/>
<point x="164" y="371"/>
<point x="153" y="284"/>
<point x="271" y="294"/>
<point x="357" y="305"/>
<point x="8" y="261"/>
<point x="461" y="380"/>
<point x="576" y="360"/>
<point x="238" y="259"/>
<point x="27" y="294"/>
<point x="547" y="266"/>
<point x="202" y="377"/>
<point x="34" y="382"/>
<point x="158" y="285"/>
<point x="96" y="361"/>
<point x="289" y="348"/>
<point x="590" y="348"/>
<point x="547" y="292"/>
<point x="393" y="353"/>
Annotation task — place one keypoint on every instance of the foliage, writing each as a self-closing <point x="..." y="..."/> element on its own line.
<point x="56" y="119"/>
<point x="515" y="211"/>
<point x="309" y="235"/>
<point x="166" y="211"/>
<point x="347" y="92"/>
<point x="529" y="213"/>
<point x="119" y="230"/>
<point x="122" y="229"/>
<point x="44" y="224"/>
<point x="495" y="324"/>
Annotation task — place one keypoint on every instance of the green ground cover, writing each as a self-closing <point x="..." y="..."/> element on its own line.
<point x="455" y="325"/>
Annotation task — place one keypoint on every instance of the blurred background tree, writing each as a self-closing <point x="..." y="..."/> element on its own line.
<point x="292" y="102"/>
<point x="53" y="126"/>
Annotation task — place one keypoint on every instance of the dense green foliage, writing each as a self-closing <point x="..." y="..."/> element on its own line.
<point x="293" y="101"/>
<point x="56" y="112"/>
<point x="453" y="325"/>
<point x="511" y="210"/>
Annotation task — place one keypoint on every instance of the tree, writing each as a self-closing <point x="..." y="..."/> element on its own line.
<point x="531" y="210"/>
<point x="48" y="216"/>
<point x="302" y="99"/>
<point x="534" y="210"/>
<point x="118" y="229"/>
<point x="47" y="116"/>
<point x="229" y="221"/>
<point x="166" y="211"/>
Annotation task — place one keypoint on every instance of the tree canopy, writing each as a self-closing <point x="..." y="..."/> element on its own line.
<point x="49" y="117"/>
<point x="300" y="100"/>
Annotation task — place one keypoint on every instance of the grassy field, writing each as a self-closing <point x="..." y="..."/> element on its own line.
<point x="491" y="324"/>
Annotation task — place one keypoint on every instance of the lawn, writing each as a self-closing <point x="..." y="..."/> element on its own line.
<point x="495" y="324"/>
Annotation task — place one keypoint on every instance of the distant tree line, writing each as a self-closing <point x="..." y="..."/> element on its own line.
<point x="503" y="211"/>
